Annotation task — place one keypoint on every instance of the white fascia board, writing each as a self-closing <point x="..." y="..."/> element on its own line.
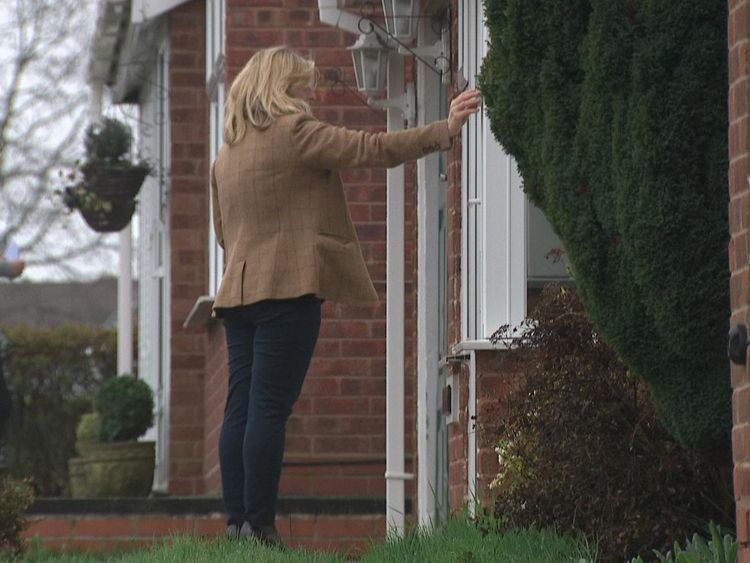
<point x="107" y="35"/>
<point x="142" y="10"/>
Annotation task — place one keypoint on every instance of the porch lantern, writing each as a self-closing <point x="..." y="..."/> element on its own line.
<point x="370" y="59"/>
<point x="399" y="15"/>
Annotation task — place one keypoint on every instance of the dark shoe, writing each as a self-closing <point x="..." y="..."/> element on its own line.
<point x="233" y="531"/>
<point x="267" y="535"/>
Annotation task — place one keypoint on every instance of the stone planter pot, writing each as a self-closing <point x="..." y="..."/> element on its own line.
<point x="77" y="477"/>
<point x="117" y="469"/>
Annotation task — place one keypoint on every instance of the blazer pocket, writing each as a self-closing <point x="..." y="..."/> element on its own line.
<point x="339" y="239"/>
<point x="340" y="267"/>
<point x="233" y="280"/>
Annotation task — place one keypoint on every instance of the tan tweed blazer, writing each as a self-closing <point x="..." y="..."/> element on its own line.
<point x="280" y="213"/>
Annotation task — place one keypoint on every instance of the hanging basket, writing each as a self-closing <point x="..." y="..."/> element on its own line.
<point x="115" y="184"/>
<point x="109" y="221"/>
<point x="106" y="197"/>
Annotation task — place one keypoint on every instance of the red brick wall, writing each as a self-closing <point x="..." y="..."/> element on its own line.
<point x="739" y="167"/>
<point x="497" y="378"/>
<point x="336" y="436"/>
<point x="458" y="444"/>
<point x="458" y="437"/>
<point x="215" y="396"/>
<point x="189" y="242"/>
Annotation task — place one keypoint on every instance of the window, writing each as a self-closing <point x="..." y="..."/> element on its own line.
<point x="215" y="77"/>
<point x="505" y="238"/>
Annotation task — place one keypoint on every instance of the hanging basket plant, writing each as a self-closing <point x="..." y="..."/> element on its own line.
<point x="107" y="182"/>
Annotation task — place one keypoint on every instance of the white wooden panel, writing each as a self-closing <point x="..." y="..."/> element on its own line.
<point x="145" y="9"/>
<point x="474" y="166"/>
<point x="463" y="40"/>
<point x="163" y="279"/>
<point x="429" y="307"/>
<point x="215" y="39"/>
<point x="494" y="208"/>
<point x="153" y="260"/>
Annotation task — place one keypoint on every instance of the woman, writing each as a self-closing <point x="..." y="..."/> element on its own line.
<point x="11" y="269"/>
<point x="280" y="214"/>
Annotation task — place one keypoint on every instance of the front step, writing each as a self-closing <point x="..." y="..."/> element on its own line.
<point x="344" y="525"/>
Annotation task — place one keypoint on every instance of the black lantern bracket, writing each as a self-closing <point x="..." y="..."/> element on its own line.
<point x="406" y="103"/>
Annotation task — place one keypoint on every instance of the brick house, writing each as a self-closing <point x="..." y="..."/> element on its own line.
<point x="473" y="256"/>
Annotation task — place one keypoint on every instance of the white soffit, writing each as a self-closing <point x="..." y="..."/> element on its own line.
<point x="107" y="36"/>
<point x="427" y="7"/>
<point x="146" y="9"/>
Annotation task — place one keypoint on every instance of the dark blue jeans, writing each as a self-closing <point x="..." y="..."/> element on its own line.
<point x="270" y="344"/>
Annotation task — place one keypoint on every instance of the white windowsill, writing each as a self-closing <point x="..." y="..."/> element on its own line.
<point x="201" y="314"/>
<point x="469" y="345"/>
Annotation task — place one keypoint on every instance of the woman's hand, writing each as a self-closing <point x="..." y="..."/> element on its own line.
<point x="462" y="107"/>
<point x="17" y="267"/>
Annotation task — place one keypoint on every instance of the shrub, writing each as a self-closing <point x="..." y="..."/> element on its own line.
<point x="126" y="409"/>
<point x="616" y="113"/>
<point x="108" y="142"/>
<point x="459" y="540"/>
<point x="15" y="499"/>
<point x="88" y="430"/>
<point x="581" y="448"/>
<point x="53" y="375"/>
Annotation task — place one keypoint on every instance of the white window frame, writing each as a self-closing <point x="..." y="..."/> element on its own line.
<point x="215" y="78"/>
<point x="154" y="262"/>
<point x="494" y="208"/>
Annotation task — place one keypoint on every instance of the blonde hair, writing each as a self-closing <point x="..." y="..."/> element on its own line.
<point x="260" y="92"/>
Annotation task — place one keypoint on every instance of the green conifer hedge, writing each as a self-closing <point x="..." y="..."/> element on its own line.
<point x="616" y="112"/>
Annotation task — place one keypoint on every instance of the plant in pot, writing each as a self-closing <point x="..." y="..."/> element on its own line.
<point x="87" y="438"/>
<point x="106" y="183"/>
<point x="112" y="462"/>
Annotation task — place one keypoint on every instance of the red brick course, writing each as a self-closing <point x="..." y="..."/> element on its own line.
<point x="350" y="534"/>
<point x="189" y="242"/>
<point x="458" y="431"/>
<point x="739" y="158"/>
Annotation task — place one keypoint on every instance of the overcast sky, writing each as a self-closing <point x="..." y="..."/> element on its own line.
<point x="71" y="230"/>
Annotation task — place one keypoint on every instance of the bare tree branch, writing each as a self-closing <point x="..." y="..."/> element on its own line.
<point x="43" y="99"/>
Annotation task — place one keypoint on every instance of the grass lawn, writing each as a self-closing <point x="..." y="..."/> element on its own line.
<point x="459" y="541"/>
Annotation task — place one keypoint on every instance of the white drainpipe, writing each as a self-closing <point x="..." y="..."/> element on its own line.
<point x="125" y="304"/>
<point x="125" y="278"/>
<point x="395" y="474"/>
<point x="394" y="373"/>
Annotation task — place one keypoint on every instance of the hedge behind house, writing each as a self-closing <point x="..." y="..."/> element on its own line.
<point x="616" y="112"/>
<point x="52" y="375"/>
